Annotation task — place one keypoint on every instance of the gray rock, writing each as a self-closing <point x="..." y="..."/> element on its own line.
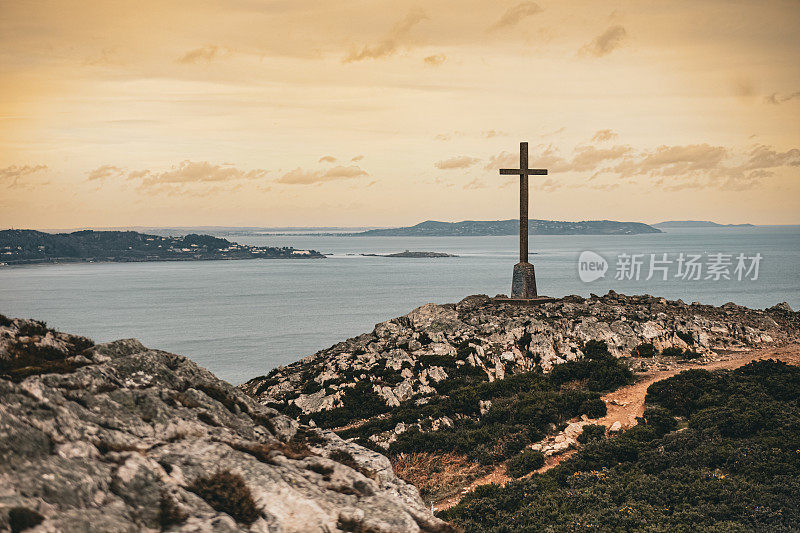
<point x="413" y="357"/>
<point x="109" y="445"/>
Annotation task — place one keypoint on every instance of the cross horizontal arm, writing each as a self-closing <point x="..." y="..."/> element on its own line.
<point x="530" y="171"/>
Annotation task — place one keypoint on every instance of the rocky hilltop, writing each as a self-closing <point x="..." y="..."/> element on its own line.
<point x="118" y="437"/>
<point x="424" y="355"/>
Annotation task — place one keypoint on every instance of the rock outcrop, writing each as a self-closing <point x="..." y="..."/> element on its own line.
<point x="412" y="356"/>
<point x="118" y="437"/>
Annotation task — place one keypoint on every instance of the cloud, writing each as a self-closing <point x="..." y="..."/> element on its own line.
<point x="475" y="184"/>
<point x="193" y="172"/>
<point x="299" y="176"/>
<point x="106" y="171"/>
<point x="604" y="135"/>
<point x="462" y="161"/>
<point x="515" y="14"/>
<point x="327" y="159"/>
<point x="702" y="165"/>
<point x="762" y="157"/>
<point x="605" y="43"/>
<point x="205" y="54"/>
<point x="13" y="174"/>
<point x="435" y="60"/>
<point x="357" y="158"/>
<point x="488" y="134"/>
<point x="391" y="41"/>
<point x="776" y="98"/>
<point x="674" y="161"/>
<point x="589" y="157"/>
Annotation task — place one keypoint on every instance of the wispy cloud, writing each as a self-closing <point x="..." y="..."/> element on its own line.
<point x="204" y="54"/>
<point x="605" y="43"/>
<point x="104" y="172"/>
<point x="589" y="157"/>
<point x="462" y="161"/>
<point x="703" y="165"/>
<point x="670" y="167"/>
<point x="299" y="176"/>
<point x="475" y="184"/>
<point x="194" y="172"/>
<point x="515" y="14"/>
<point x="327" y="159"/>
<point x="391" y="41"/>
<point x="776" y="98"/>
<point x="12" y="176"/>
<point x="435" y="60"/>
<point x="604" y="135"/>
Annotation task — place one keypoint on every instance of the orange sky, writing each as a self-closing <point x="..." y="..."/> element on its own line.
<point x="286" y="113"/>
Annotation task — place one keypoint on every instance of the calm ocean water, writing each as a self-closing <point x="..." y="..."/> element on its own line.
<point x="242" y="318"/>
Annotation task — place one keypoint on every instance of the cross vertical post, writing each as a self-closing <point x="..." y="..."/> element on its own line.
<point x="523" y="284"/>
<point x="523" y="203"/>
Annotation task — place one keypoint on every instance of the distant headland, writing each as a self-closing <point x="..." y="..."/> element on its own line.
<point x="29" y="246"/>
<point x="484" y="228"/>
<point x="697" y="224"/>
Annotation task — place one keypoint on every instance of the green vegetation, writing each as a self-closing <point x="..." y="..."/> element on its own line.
<point x="646" y="349"/>
<point x="22" y="518"/>
<point x="524" y="408"/>
<point x="672" y="351"/>
<point x="227" y="493"/>
<point x="525" y="463"/>
<point x="732" y="467"/>
<point x="591" y="433"/>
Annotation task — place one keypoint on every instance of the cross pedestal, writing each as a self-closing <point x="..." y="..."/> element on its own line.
<point x="523" y="282"/>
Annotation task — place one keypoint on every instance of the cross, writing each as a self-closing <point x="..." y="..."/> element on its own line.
<point x="523" y="172"/>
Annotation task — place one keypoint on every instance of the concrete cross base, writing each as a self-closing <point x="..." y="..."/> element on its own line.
<point x="523" y="284"/>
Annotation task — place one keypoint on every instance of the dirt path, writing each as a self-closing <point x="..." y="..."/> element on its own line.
<point x="624" y="405"/>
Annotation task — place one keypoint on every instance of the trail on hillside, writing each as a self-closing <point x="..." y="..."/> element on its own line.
<point x="625" y="404"/>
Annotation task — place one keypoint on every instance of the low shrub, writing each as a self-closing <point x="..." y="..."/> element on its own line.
<point x="169" y="514"/>
<point x="591" y="433"/>
<point x="526" y="462"/>
<point x="22" y="518"/>
<point x="227" y="493"/>
<point x="646" y="349"/>
<point x="672" y="351"/>
<point x="593" y="408"/>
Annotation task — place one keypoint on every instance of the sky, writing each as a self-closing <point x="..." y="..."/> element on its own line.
<point x="381" y="113"/>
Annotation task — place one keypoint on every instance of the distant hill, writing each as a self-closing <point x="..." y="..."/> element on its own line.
<point x="697" y="224"/>
<point x="481" y="228"/>
<point x="30" y="246"/>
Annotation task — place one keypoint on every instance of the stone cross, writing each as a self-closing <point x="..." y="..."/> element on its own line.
<point x="523" y="284"/>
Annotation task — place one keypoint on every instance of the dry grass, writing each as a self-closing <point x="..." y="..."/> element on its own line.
<point x="437" y="475"/>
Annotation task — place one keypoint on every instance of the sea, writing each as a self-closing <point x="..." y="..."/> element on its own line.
<point x="240" y="319"/>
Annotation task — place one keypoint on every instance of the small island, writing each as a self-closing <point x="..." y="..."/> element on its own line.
<point x="21" y="247"/>
<point x="414" y="255"/>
